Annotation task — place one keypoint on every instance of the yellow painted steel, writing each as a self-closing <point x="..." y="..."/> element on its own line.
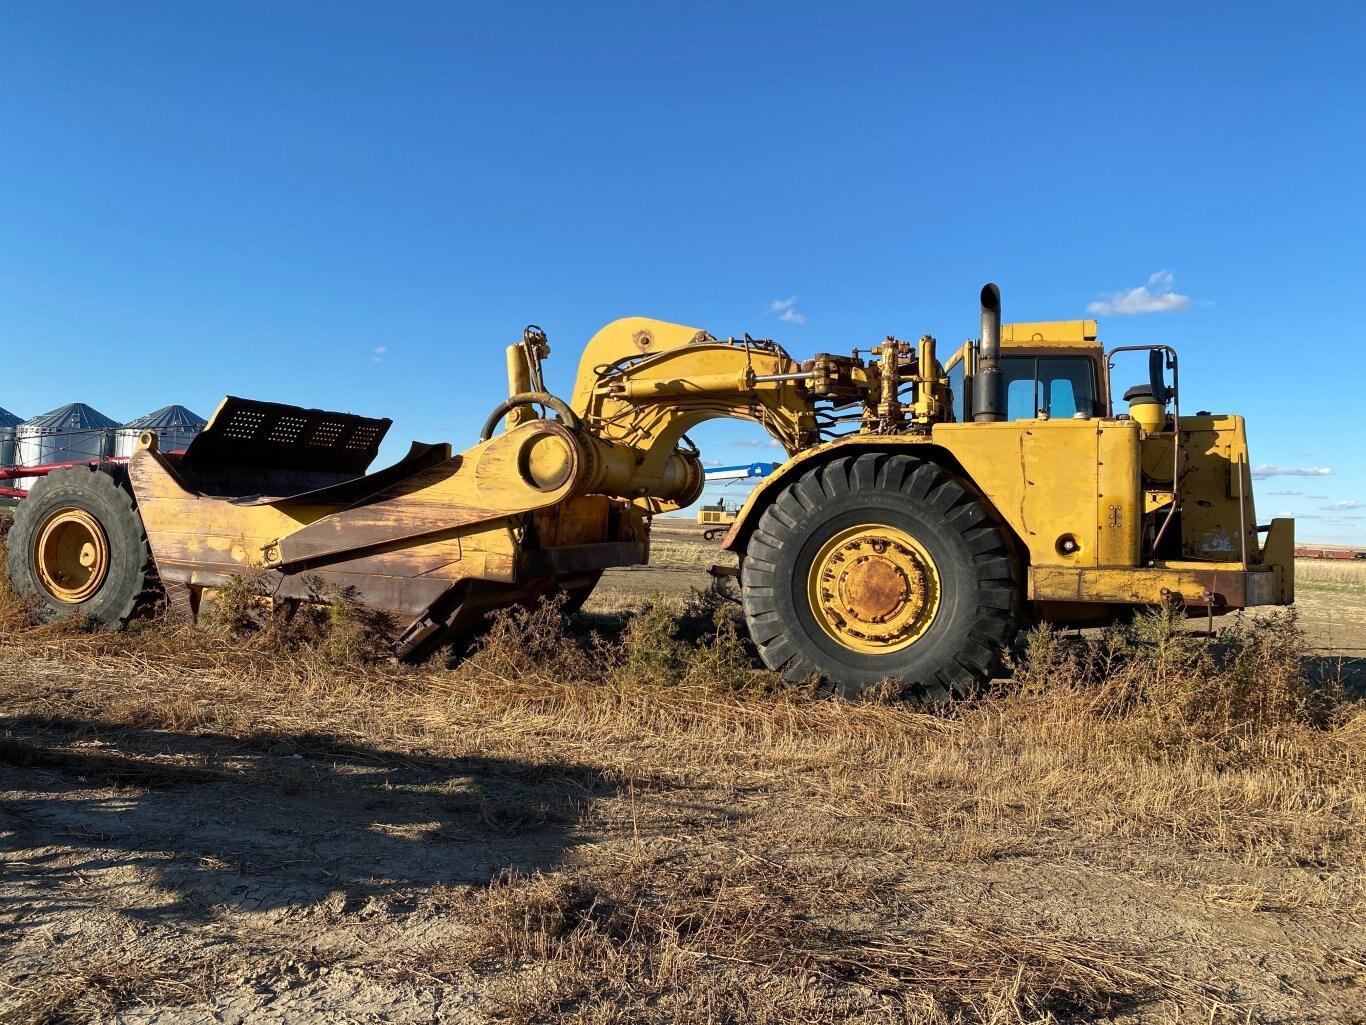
<point x="546" y="462"/>
<point x="931" y="404"/>
<point x="1218" y="514"/>
<point x="71" y="555"/>
<point x="715" y="517"/>
<point x="456" y="520"/>
<point x="1194" y="583"/>
<point x="1063" y="334"/>
<point x="1070" y="491"/>
<point x="1050" y="480"/>
<point x="1279" y="554"/>
<point x="519" y="383"/>
<point x="1150" y="415"/>
<point x="640" y="387"/>
<point x="637" y="400"/>
<point x="873" y="589"/>
<point x="1057" y="479"/>
<point x="1091" y="506"/>
<point x="627" y="338"/>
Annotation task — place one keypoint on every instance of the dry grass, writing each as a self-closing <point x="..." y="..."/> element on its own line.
<point x="1345" y="576"/>
<point x="103" y="985"/>
<point x="764" y="857"/>
<point x="652" y="939"/>
<point x="665" y="551"/>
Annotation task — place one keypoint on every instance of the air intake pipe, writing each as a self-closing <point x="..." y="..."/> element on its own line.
<point x="987" y="406"/>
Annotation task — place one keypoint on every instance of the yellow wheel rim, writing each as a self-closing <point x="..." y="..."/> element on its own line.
<point x="71" y="555"/>
<point x="873" y="589"/>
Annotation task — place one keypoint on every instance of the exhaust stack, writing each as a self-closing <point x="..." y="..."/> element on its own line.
<point x="987" y="406"/>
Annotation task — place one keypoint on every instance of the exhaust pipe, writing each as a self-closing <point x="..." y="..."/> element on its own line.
<point x="987" y="406"/>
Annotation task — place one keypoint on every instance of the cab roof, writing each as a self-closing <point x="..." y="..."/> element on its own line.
<point x="1069" y="334"/>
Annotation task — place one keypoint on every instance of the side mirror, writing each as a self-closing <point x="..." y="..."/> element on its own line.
<point x="1157" y="377"/>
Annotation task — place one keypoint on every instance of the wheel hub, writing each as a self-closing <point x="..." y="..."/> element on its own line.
<point x="71" y="556"/>
<point x="873" y="589"/>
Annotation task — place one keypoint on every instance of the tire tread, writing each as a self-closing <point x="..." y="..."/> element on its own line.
<point x="99" y="486"/>
<point x="987" y="559"/>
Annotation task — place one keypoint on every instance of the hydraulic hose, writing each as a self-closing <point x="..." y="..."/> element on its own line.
<point x="528" y="398"/>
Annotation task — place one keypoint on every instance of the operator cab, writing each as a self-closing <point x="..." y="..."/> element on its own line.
<point x="1052" y="386"/>
<point x="1053" y="368"/>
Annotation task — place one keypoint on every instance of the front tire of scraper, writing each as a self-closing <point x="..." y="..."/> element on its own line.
<point x="70" y="517"/>
<point x="880" y="567"/>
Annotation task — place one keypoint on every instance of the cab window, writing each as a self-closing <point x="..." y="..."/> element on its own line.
<point x="956" y="387"/>
<point x="1060" y="386"/>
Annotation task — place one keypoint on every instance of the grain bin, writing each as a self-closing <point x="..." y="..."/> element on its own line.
<point x="70" y="434"/>
<point x="175" y="428"/>
<point x="8" y="424"/>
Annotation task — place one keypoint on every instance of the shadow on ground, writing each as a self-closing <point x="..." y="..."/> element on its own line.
<point x="263" y="822"/>
<point x="1342" y="670"/>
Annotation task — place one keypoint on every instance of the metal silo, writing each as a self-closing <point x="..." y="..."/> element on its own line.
<point x="175" y="428"/>
<point x="74" y="433"/>
<point x="8" y="424"/>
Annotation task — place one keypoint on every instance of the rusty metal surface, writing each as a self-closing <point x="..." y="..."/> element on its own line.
<point x="403" y="597"/>
<point x="420" y="457"/>
<point x="569" y="560"/>
<point x="434" y="541"/>
<point x="485" y="484"/>
<point x="1224" y="587"/>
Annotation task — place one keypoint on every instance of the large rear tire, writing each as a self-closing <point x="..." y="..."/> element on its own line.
<point x="78" y="546"/>
<point x="877" y="567"/>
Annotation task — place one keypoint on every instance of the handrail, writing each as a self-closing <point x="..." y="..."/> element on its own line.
<point x="1170" y="354"/>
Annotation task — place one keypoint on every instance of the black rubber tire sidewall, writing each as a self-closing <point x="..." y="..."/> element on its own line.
<point x="99" y="494"/>
<point x="977" y="609"/>
<point x="947" y="633"/>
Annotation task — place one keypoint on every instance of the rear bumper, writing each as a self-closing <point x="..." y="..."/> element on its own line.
<point x="1231" y="585"/>
<point x="1234" y="587"/>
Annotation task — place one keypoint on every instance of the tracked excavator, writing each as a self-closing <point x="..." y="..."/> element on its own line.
<point x="926" y="511"/>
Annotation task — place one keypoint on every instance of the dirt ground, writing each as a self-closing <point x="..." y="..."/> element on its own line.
<point x="184" y="842"/>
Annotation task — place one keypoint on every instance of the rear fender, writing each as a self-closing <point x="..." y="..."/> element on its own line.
<point x="747" y="521"/>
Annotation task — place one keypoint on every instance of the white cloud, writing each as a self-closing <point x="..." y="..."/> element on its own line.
<point x="748" y="443"/>
<point x="1267" y="470"/>
<point x="785" y="308"/>
<point x="1157" y="296"/>
<point x="379" y="351"/>
<point x="1285" y="492"/>
<point x="1344" y="505"/>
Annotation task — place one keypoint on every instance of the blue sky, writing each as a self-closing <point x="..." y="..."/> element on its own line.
<point x="357" y="206"/>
